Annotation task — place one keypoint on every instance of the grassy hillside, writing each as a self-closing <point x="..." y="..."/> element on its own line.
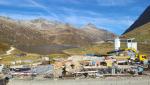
<point x="12" y="58"/>
<point x="144" y="49"/>
<point x="141" y="34"/>
<point x="94" y="49"/>
<point x="3" y="48"/>
<point x="104" y="48"/>
<point x="141" y="20"/>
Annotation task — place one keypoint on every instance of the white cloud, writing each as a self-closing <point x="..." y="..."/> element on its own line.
<point x="114" y="2"/>
<point x="36" y="4"/>
<point x="71" y="1"/>
<point x="45" y="8"/>
<point x="16" y="3"/>
<point x="81" y="17"/>
<point x="77" y="17"/>
<point x="98" y="20"/>
<point x="77" y="11"/>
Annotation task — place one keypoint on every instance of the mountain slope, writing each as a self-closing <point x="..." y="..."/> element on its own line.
<point x="96" y="34"/>
<point x="141" y="34"/>
<point x="34" y="40"/>
<point x="3" y="48"/>
<point x="143" y="19"/>
<point x="140" y="29"/>
<point x="16" y="34"/>
<point x="44" y="37"/>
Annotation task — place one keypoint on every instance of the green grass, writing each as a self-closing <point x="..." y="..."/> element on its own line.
<point x="141" y="34"/>
<point x="104" y="48"/>
<point x="11" y="58"/>
<point x="144" y="49"/>
<point x="51" y="56"/>
<point x="94" y="49"/>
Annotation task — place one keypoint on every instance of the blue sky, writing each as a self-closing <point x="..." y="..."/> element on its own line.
<point x="113" y="15"/>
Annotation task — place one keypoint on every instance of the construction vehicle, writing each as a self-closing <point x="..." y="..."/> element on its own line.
<point x="138" y="57"/>
<point x="130" y="54"/>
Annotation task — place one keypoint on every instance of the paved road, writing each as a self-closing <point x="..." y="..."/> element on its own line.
<point x="106" y="81"/>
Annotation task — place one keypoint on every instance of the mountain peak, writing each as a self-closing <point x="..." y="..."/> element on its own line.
<point x="39" y="20"/>
<point x="89" y="25"/>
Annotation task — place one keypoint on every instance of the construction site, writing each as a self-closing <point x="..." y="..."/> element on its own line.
<point x="78" y="42"/>
<point x="118" y="63"/>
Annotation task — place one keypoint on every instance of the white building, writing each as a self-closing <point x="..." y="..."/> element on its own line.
<point x="117" y="43"/>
